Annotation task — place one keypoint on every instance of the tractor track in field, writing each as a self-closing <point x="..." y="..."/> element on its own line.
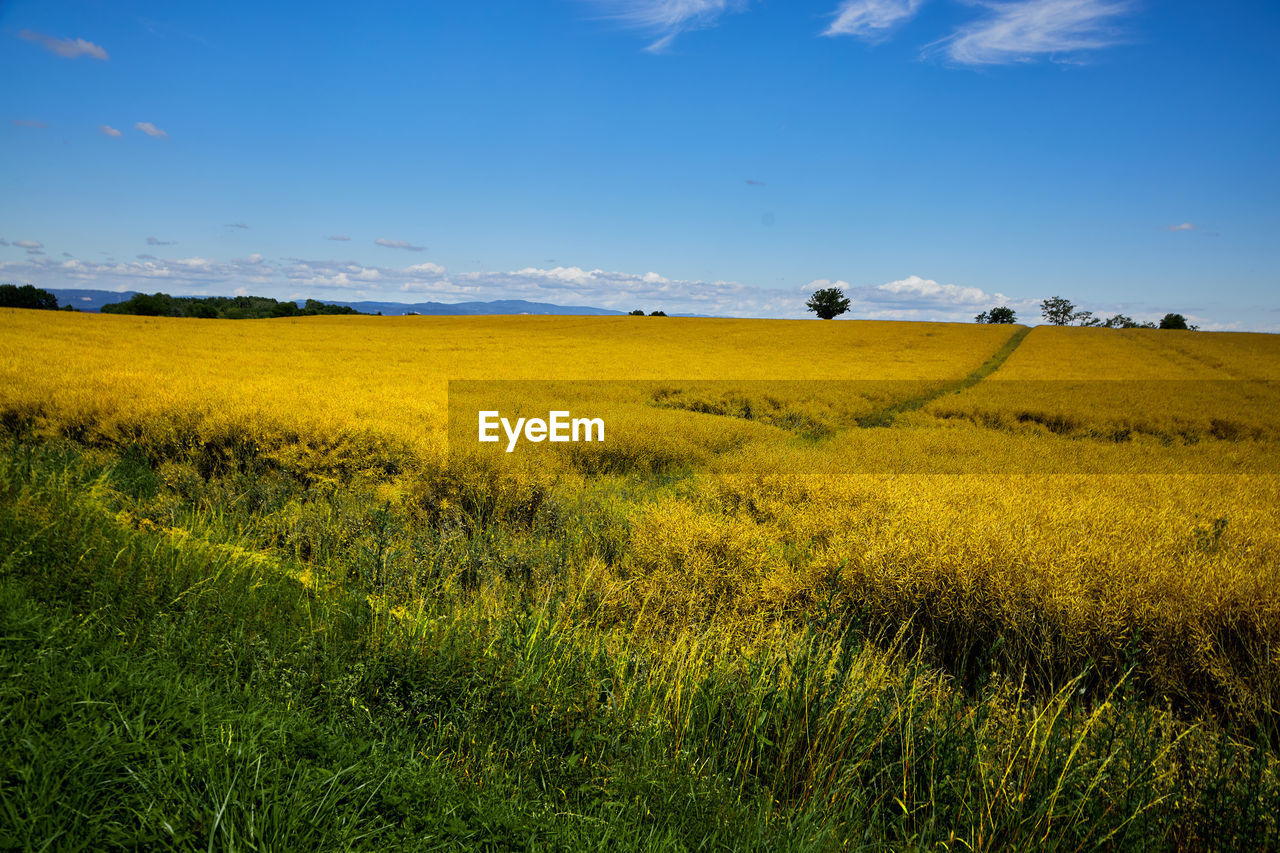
<point x="885" y="417"/>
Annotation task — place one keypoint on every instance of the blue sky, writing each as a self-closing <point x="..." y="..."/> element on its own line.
<point x="933" y="157"/>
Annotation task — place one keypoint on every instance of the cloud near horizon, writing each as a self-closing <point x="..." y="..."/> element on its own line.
<point x="66" y="48"/>
<point x="1186" y="226"/>
<point x="909" y="298"/>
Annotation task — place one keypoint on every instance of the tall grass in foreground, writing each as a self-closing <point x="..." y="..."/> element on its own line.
<point x="173" y="682"/>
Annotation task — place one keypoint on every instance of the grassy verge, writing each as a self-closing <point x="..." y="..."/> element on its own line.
<point x="178" y="669"/>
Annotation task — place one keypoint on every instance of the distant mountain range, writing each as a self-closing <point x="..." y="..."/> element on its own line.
<point x="497" y="306"/>
<point x="93" y="300"/>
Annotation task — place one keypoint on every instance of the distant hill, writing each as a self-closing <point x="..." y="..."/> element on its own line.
<point x="498" y="306"/>
<point x="93" y="300"/>
<point x="90" y="300"/>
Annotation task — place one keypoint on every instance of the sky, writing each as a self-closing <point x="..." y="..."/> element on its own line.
<point x="932" y="158"/>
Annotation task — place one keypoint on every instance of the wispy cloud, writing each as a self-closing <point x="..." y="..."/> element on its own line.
<point x="752" y="183"/>
<point x="343" y="238"/>
<point x="66" y="48"/>
<point x="3" y="242"/>
<point x="1022" y="30"/>
<point x="156" y="241"/>
<point x="33" y="247"/>
<point x="1186" y="226"/>
<point x="110" y="131"/>
<point x="22" y="122"/>
<point x="151" y="130"/>
<point x="870" y="19"/>
<point x="398" y="244"/>
<point x="237" y="225"/>
<point x="667" y="19"/>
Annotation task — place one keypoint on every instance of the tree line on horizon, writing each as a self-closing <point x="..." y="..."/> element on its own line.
<point x="221" y="307"/>
<point x="30" y="297"/>
<point x="830" y="302"/>
<point x="164" y="305"/>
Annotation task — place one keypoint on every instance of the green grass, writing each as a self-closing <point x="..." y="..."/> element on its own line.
<point x="187" y="693"/>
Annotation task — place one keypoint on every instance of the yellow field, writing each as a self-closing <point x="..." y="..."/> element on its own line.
<point x="1102" y="496"/>
<point x="391" y="374"/>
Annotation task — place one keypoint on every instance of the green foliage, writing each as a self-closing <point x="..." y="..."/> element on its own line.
<point x="636" y="313"/>
<point x="1002" y="314"/>
<point x="1058" y="311"/>
<point x="1175" y="321"/>
<point x="27" y="296"/>
<point x="171" y="684"/>
<point x="828" y="303"/>
<point x="657" y="313"/>
<point x="220" y="307"/>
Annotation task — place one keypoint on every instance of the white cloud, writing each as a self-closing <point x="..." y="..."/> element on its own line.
<point x="156" y="241"/>
<point x="66" y="48"/>
<point x="870" y="19"/>
<point x="332" y="274"/>
<point x="568" y="275"/>
<point x="1186" y="226"/>
<point x="151" y="130"/>
<point x="28" y="244"/>
<point x="175" y="276"/>
<point x="667" y="19"/>
<point x="920" y="289"/>
<point x="398" y="244"/>
<point x="110" y="131"/>
<point x="241" y="291"/>
<point x="1021" y="30"/>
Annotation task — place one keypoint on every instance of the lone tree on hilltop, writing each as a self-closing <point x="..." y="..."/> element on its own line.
<point x="1003" y="314"/>
<point x="637" y="313"/>
<point x="828" y="303"/>
<point x="1058" y="311"/>
<point x="1175" y="321"/>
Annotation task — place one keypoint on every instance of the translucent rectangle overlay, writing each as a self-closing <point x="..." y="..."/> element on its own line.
<point x="872" y="426"/>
